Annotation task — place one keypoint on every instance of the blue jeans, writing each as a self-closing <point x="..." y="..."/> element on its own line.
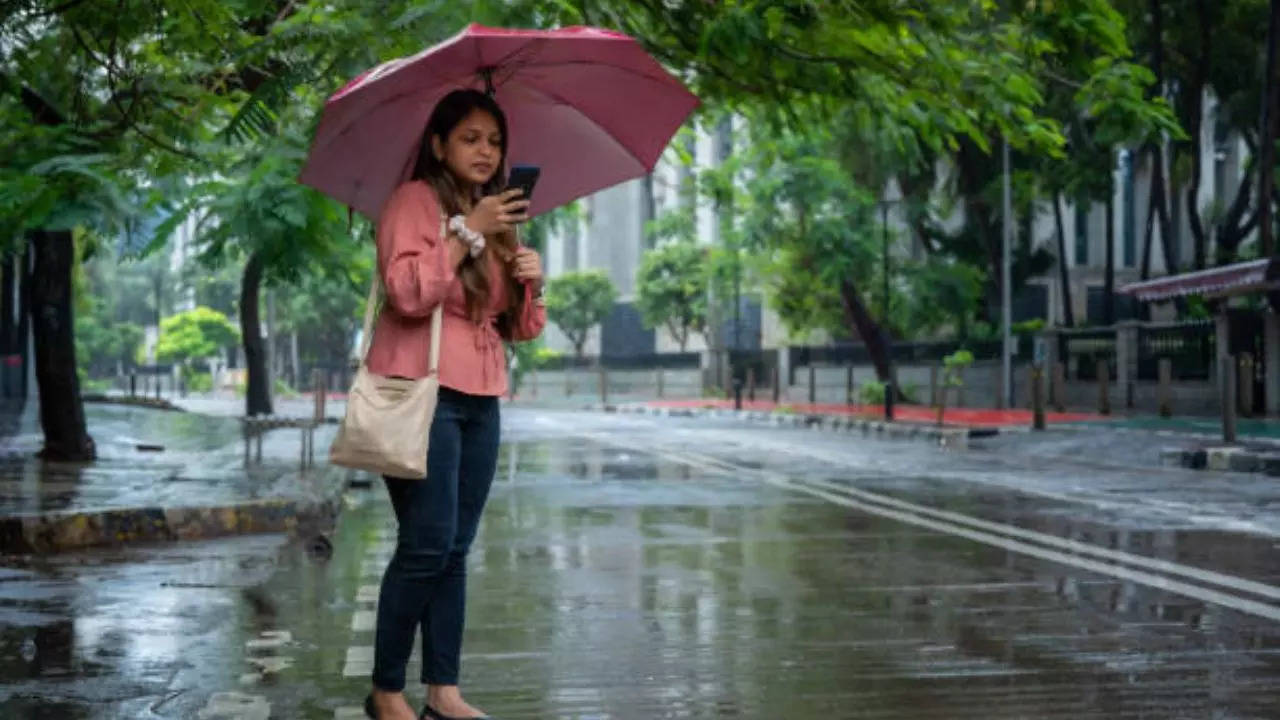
<point x="425" y="583"/>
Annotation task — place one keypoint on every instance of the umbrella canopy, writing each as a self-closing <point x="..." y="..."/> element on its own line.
<point x="589" y="106"/>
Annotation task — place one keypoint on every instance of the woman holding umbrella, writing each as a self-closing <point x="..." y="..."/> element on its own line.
<point x="591" y="109"/>
<point x="491" y="290"/>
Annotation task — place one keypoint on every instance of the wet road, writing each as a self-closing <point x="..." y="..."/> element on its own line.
<point x="634" y="567"/>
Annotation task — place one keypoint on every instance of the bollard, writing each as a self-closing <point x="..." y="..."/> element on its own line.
<point x="1104" y="392"/>
<point x="737" y="392"/>
<point x="319" y="387"/>
<point x="1228" y="372"/>
<point x="604" y="386"/>
<point x="934" y="401"/>
<point x="1037" y="398"/>
<point x="813" y="384"/>
<point x="848" y="385"/>
<point x="751" y="384"/>
<point x="777" y="385"/>
<point x="888" y="401"/>
<point x="133" y="384"/>
<point x="157" y="379"/>
<point x="1058" y="387"/>
<point x="1246" y="384"/>
<point x="1166" y="387"/>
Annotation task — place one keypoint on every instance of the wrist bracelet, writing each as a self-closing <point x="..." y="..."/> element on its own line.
<point x="473" y="239"/>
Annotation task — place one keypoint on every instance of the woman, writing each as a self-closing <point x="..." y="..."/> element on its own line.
<point x="491" y="289"/>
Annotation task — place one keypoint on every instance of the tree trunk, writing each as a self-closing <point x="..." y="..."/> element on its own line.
<point x="295" y="369"/>
<point x="1159" y="186"/>
<point x="1148" y="236"/>
<point x="1109" y="273"/>
<point x="24" y="320"/>
<point x="1068" y="313"/>
<point x="872" y="335"/>
<point x="258" y="393"/>
<point x="1266" y="130"/>
<point x="1234" y="228"/>
<point x="61" y="409"/>
<point x="1198" y="237"/>
<point x="1157" y="203"/>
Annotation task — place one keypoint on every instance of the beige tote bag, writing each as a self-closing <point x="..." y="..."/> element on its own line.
<point x="388" y="420"/>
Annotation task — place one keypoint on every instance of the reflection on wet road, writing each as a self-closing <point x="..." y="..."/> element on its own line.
<point x="646" y="568"/>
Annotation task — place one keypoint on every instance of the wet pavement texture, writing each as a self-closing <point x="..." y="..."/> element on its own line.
<point x="637" y="567"/>
<point x="146" y="457"/>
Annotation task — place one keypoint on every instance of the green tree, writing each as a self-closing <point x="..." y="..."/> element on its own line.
<point x="672" y="289"/>
<point x="578" y="301"/>
<point x="196" y="334"/>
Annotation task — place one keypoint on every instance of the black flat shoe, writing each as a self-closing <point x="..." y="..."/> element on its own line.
<point x="369" y="709"/>
<point x="429" y="714"/>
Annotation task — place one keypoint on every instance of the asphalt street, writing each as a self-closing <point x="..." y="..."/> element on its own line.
<point x="647" y="567"/>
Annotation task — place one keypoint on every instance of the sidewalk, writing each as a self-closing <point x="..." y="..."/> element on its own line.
<point x="954" y="417"/>
<point x="160" y="475"/>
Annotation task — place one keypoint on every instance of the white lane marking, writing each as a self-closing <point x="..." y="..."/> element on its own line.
<point x="1180" y="511"/>
<point x="364" y="620"/>
<point x="368" y="593"/>
<point x="269" y="640"/>
<point x="349" y="713"/>
<point x="953" y="523"/>
<point x="1172" y="568"/>
<point x="235" y="706"/>
<point x="1251" y="607"/>
<point x="359" y="660"/>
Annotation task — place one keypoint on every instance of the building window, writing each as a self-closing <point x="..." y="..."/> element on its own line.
<point x="1082" y="232"/>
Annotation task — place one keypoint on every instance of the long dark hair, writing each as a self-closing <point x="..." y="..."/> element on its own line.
<point x="476" y="283"/>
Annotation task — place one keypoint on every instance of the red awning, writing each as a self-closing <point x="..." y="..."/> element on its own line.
<point x="1238" y="279"/>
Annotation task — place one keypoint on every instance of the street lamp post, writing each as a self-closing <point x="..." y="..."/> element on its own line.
<point x="891" y="195"/>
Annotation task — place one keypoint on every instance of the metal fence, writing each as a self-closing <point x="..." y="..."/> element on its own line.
<point x="911" y="353"/>
<point x="1189" y="346"/>
<point x="1081" y="350"/>
<point x="650" y="361"/>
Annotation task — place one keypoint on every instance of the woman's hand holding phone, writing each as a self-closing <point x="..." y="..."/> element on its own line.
<point x="500" y="213"/>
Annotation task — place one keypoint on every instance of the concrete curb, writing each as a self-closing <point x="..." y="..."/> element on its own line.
<point x="60" y="531"/>
<point x="946" y="436"/>
<point x="1223" y="459"/>
<point x="131" y="401"/>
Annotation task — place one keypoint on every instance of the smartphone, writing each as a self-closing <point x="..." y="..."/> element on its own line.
<point x="523" y="178"/>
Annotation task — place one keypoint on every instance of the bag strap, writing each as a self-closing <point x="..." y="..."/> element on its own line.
<point x="371" y="309"/>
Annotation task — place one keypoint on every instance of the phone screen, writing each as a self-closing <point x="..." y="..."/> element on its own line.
<point x="524" y="178"/>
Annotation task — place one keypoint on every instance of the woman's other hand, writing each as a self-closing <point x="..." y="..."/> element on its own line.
<point x="495" y="214"/>
<point x="527" y="267"/>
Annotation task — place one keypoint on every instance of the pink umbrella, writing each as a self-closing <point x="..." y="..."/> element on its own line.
<point x="589" y="106"/>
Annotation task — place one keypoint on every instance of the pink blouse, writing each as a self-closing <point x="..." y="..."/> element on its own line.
<point x="413" y="259"/>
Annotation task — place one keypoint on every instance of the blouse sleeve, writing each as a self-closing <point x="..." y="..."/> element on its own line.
<point x="531" y="321"/>
<point x="413" y="257"/>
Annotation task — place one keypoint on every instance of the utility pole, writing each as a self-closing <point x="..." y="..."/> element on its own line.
<point x="1006" y="289"/>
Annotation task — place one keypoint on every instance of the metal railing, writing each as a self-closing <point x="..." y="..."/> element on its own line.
<point x="1189" y="346"/>
<point x="1080" y="351"/>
